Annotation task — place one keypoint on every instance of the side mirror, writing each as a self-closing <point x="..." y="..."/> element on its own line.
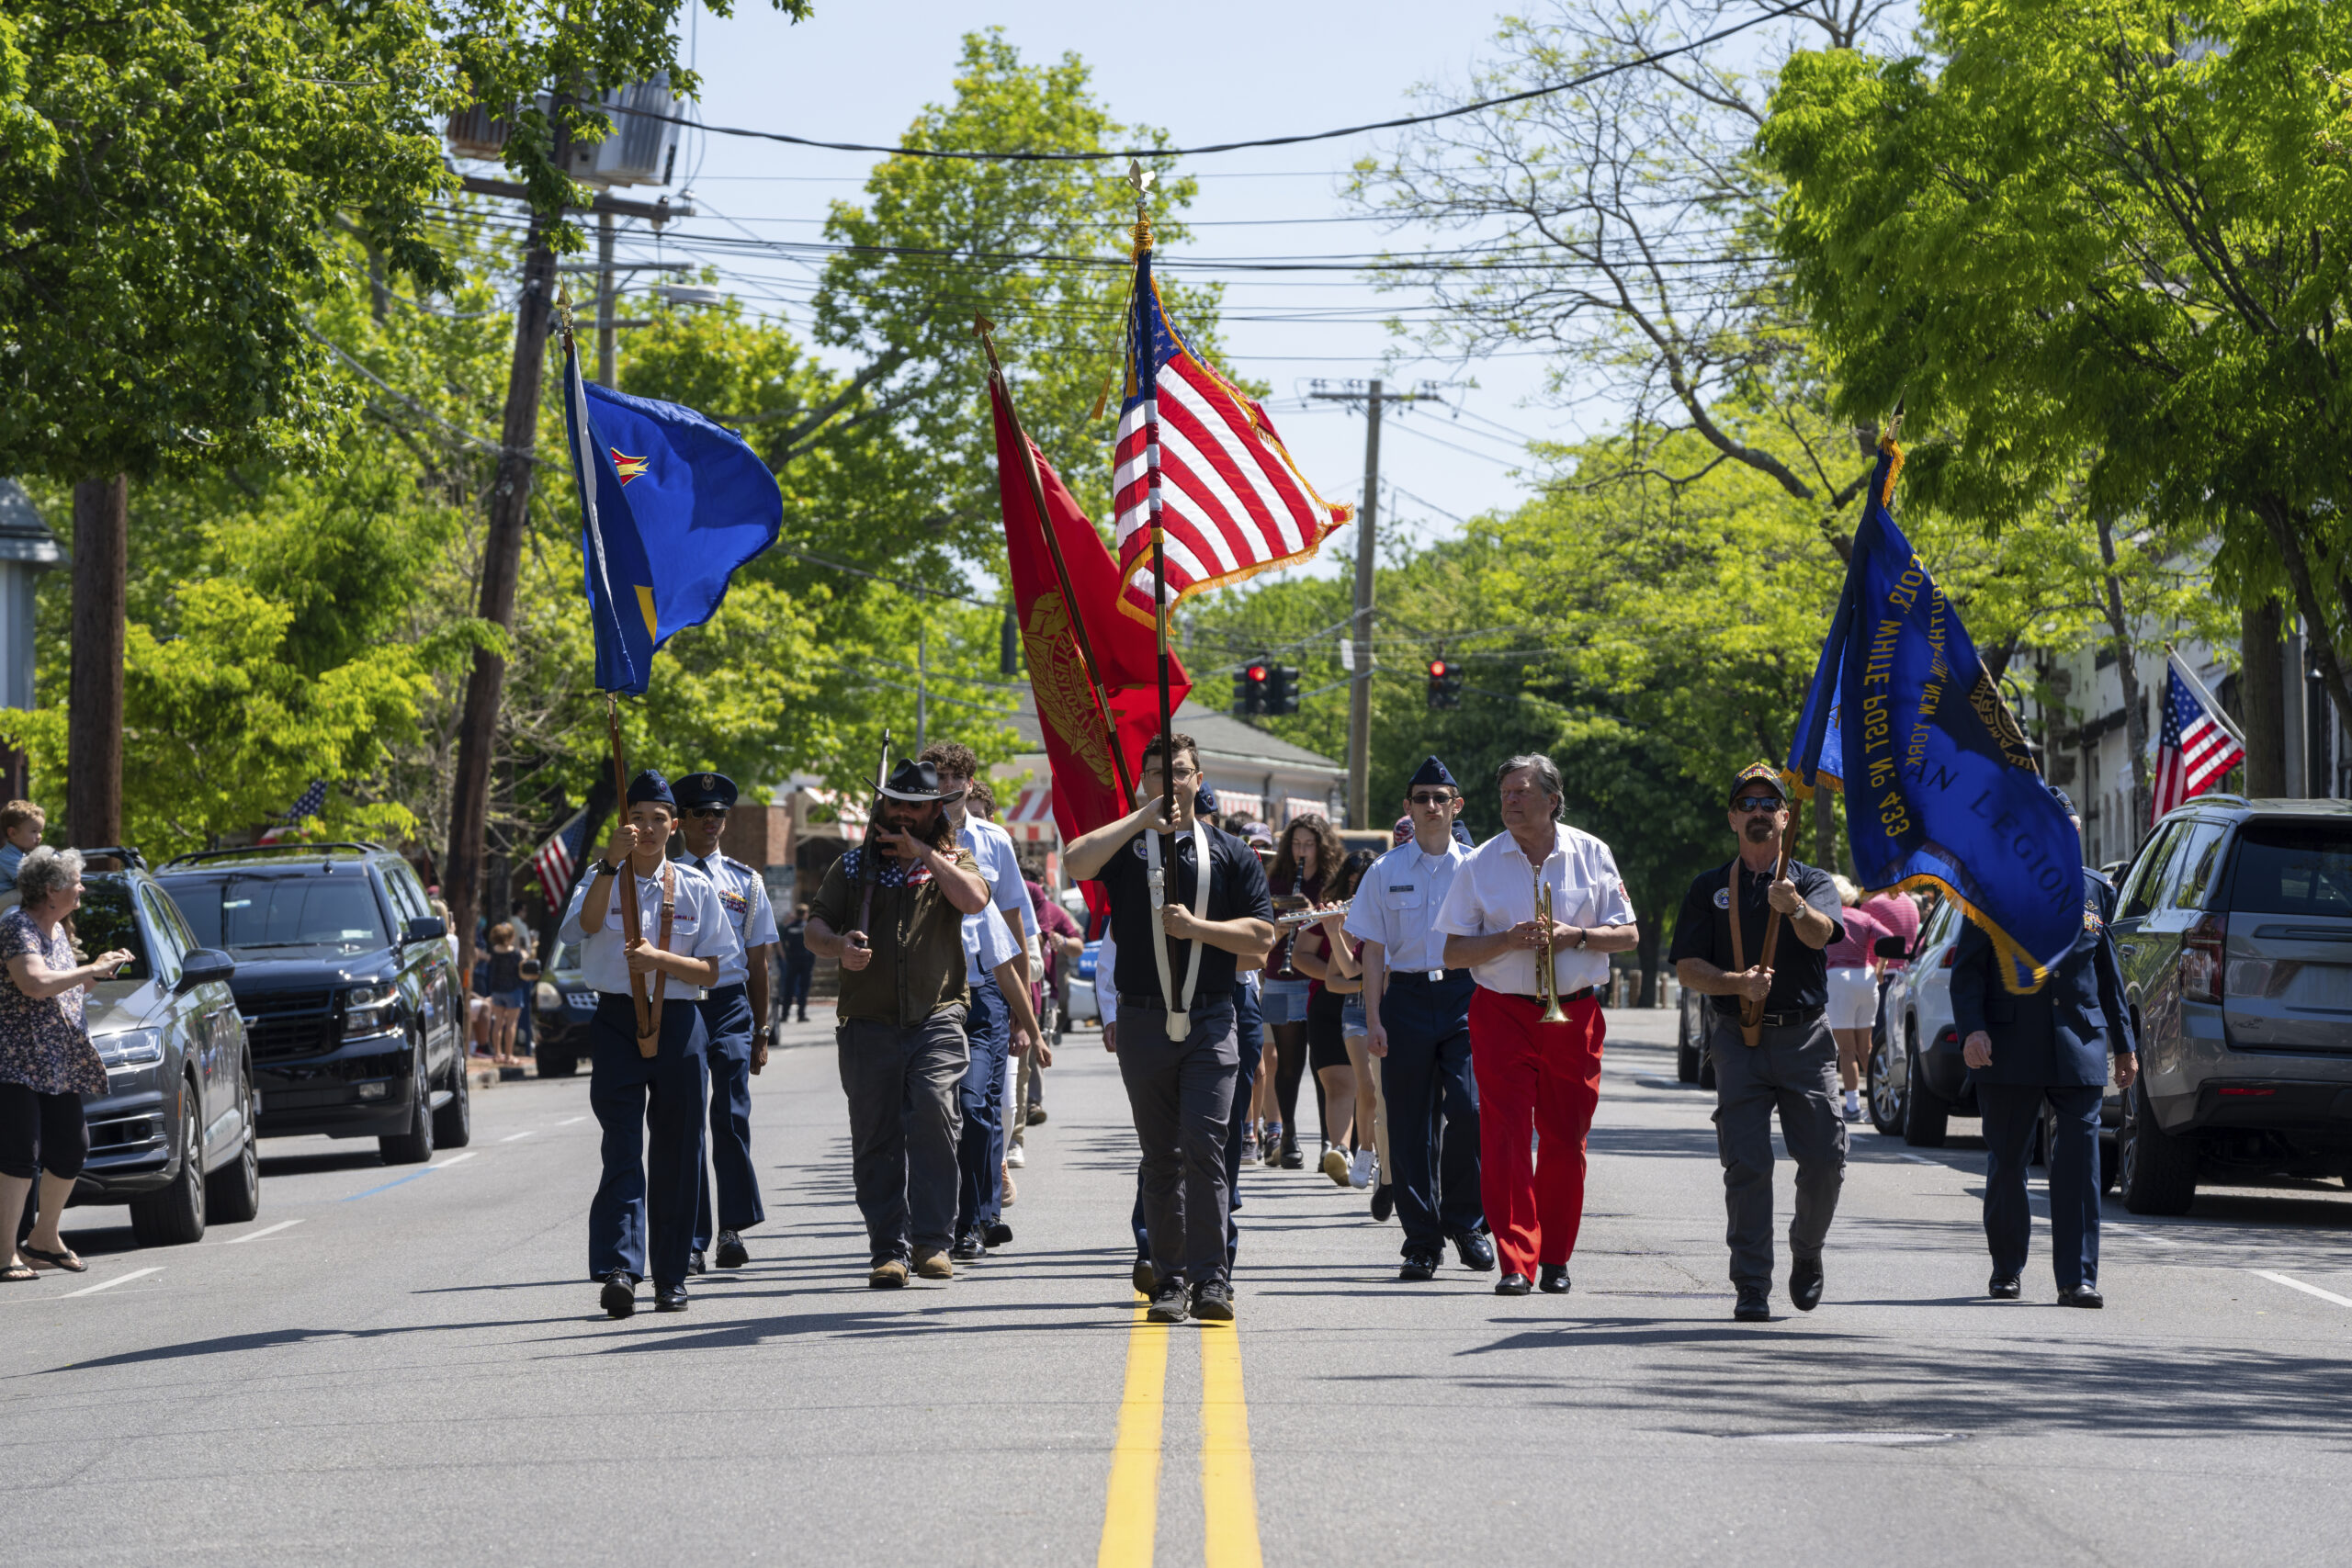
<point x="1891" y="947"/>
<point x="202" y="965"/>
<point x="423" y="928"/>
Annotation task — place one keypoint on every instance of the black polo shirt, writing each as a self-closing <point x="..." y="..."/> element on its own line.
<point x="1800" y="973"/>
<point x="1237" y="891"/>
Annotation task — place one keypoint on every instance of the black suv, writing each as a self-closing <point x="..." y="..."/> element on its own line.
<point x="2233" y="928"/>
<point x="348" y="988"/>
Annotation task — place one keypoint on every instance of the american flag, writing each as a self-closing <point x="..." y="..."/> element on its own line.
<point x="559" y="857"/>
<point x="2196" y="747"/>
<point x="1232" y="502"/>
<point x="310" y="803"/>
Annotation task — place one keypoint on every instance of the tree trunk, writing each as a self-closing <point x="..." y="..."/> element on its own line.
<point x="2127" y="670"/>
<point x="94" y="697"/>
<point x="1646" y="951"/>
<point x="2262" y="693"/>
<point x="501" y="556"/>
<point x="2289" y="528"/>
<point x="1824" y="830"/>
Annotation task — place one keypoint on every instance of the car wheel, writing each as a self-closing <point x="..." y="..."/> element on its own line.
<point x="174" y="1216"/>
<point x="1926" y="1119"/>
<point x="2111" y="1161"/>
<point x="2158" y="1171"/>
<point x="1887" y="1095"/>
<point x="415" y="1145"/>
<point x="453" y="1124"/>
<point x="1686" y="1050"/>
<point x="233" y="1193"/>
<point x="558" y="1064"/>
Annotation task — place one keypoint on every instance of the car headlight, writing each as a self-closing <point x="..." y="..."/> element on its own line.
<point x="132" y="1048"/>
<point x="369" y="1010"/>
<point x="545" y="996"/>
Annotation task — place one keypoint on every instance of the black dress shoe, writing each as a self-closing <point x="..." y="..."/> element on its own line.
<point x="2003" y="1287"/>
<point x="1753" y="1307"/>
<point x="968" y="1248"/>
<point x="694" y="1264"/>
<point x="730" y="1253"/>
<point x="2081" y="1297"/>
<point x="1384" y="1202"/>
<point x="1552" y="1278"/>
<point x="1513" y="1285"/>
<point x="998" y="1234"/>
<point x="1292" y="1158"/>
<point x="619" y="1298"/>
<point x="1804" y="1283"/>
<point x="1143" y="1277"/>
<point x="670" y="1298"/>
<point x="1419" y="1266"/>
<point x="1476" y="1252"/>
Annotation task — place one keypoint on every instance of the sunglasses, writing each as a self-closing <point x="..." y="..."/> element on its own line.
<point x="707" y="813"/>
<point x="1432" y="799"/>
<point x="1755" y="802"/>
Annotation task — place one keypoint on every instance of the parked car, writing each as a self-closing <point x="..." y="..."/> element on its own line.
<point x="1692" y="1063"/>
<point x="1917" y="1081"/>
<point x="2234" y="929"/>
<point x="346" y="983"/>
<point x="564" y="1003"/>
<point x="172" y="1136"/>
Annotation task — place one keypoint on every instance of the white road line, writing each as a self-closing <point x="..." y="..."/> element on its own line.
<point x="569" y="1120"/>
<point x="256" y="1236"/>
<point x="2147" y="1235"/>
<point x="140" y="1274"/>
<point x="1919" y="1159"/>
<point x="2307" y="1289"/>
<point x="453" y="1159"/>
<point x="511" y="1137"/>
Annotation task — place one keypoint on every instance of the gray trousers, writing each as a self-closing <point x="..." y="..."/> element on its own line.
<point x="903" y="1124"/>
<point x="1794" y="1071"/>
<point x="1181" y="1092"/>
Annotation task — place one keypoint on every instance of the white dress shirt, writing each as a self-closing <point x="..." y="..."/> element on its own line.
<point x="993" y="850"/>
<point x="745" y="897"/>
<point x="1397" y="902"/>
<point x="699" y="929"/>
<point x="1494" y="889"/>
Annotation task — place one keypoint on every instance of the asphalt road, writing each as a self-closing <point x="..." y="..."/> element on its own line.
<point x="406" y="1366"/>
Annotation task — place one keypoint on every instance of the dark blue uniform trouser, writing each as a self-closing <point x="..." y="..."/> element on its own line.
<point x="1432" y="1100"/>
<point x="726" y="1019"/>
<point x="979" y="1149"/>
<point x="646" y="1188"/>
<point x="797" y="972"/>
<point x="2009" y="1112"/>
<point x="1249" y="1026"/>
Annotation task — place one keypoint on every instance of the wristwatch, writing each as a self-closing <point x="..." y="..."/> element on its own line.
<point x="607" y="868"/>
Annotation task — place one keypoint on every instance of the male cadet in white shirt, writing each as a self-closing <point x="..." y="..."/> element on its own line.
<point x="735" y="1014"/>
<point x="995" y="1018"/>
<point x="1418" y="1015"/>
<point x="684" y="939"/>
<point x="1535" y="1076"/>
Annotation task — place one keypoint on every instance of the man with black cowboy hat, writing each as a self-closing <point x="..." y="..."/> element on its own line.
<point x="735" y="1015"/>
<point x="1177" y="1045"/>
<point x="645" y="1205"/>
<point x="1792" y="1066"/>
<point x="896" y="922"/>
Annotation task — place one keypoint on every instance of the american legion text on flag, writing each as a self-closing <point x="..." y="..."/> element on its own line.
<point x="2196" y="747"/>
<point x="1940" y="789"/>
<point x="670" y="505"/>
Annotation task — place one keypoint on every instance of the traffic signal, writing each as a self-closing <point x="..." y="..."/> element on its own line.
<point x="1445" y="685"/>
<point x="1282" y="688"/>
<point x="1249" y="691"/>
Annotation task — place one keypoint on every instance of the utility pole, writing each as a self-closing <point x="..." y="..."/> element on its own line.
<point x="1367" y="514"/>
<point x="606" y="301"/>
<point x="922" y="687"/>
<point x="93" y="683"/>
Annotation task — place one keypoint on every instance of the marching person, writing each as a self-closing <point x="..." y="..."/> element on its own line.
<point x="644" y="1207"/>
<point x="1853" y="990"/>
<point x="1792" y="1067"/>
<point x="1177" y="1038"/>
<point x="899" y="933"/>
<point x="1059" y="945"/>
<point x="1418" y="1019"/>
<point x="1534" y="1078"/>
<point x="997" y="1015"/>
<point x="2052" y="1044"/>
<point x="735" y="1015"/>
<point x="799" y="964"/>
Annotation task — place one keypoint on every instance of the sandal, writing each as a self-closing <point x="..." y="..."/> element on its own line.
<point x="67" y="1261"/>
<point x="17" y="1274"/>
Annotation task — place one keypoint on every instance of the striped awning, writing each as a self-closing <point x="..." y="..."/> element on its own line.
<point x="1295" y="808"/>
<point x="1031" y="819"/>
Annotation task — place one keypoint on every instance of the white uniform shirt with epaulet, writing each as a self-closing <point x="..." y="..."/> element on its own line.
<point x="699" y="929"/>
<point x="1396" y="904"/>
<point x="999" y="863"/>
<point x="745" y="897"/>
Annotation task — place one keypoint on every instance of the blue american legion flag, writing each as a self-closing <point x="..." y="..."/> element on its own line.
<point x="1232" y="503"/>
<point x="559" y="858"/>
<point x="2196" y="747"/>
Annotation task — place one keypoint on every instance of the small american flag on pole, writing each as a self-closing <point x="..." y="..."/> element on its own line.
<point x="2198" y="747"/>
<point x="559" y="858"/>
<point x="1232" y="502"/>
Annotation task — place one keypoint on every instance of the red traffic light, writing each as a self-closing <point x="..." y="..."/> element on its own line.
<point x="1437" y="669"/>
<point x="1255" y="674"/>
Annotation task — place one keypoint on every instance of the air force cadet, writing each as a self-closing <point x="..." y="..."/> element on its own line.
<point x="735" y="1014"/>
<point x="644" y="1207"/>
<point x="2051" y="1045"/>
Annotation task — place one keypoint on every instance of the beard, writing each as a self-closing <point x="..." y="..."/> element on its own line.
<point x="1760" y="829"/>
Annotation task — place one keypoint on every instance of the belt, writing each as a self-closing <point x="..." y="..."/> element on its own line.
<point x="1783" y="1020"/>
<point x="1427" y="976"/>
<point x="1575" y="996"/>
<point x="1156" y="1005"/>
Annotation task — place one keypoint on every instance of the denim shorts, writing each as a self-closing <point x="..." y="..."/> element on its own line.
<point x="1283" y="1002"/>
<point x="1353" y="1021"/>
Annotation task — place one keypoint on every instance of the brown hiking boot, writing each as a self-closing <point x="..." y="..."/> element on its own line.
<point x="887" y="1275"/>
<point x="932" y="1263"/>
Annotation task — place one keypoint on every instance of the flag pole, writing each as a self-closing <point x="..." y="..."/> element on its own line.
<point x="983" y="328"/>
<point x="1148" y="381"/>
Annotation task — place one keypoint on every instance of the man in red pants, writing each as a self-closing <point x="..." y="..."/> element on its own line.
<point x="1535" y="1076"/>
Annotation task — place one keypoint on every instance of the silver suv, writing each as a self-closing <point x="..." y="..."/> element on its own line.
<point x="2233" y="927"/>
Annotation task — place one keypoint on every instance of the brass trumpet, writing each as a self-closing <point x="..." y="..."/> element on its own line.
<point x="1547" y="985"/>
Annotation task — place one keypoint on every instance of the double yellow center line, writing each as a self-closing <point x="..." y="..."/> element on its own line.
<point x="1228" y="1483"/>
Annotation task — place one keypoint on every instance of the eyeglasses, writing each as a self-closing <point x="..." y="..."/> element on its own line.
<point x="1755" y="802"/>
<point x="707" y="813"/>
<point x="1432" y="800"/>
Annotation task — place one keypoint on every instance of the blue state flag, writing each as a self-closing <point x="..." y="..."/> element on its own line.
<point x="670" y="505"/>
<point x="1940" y="788"/>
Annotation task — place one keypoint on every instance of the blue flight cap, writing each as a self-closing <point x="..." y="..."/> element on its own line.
<point x="650" y="785"/>
<point x="1462" y="835"/>
<point x="1432" y="772"/>
<point x="706" y="789"/>
<point x="1205" y="801"/>
<point x="2065" y="802"/>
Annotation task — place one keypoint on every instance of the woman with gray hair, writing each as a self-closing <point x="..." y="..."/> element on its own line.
<point x="47" y="1062"/>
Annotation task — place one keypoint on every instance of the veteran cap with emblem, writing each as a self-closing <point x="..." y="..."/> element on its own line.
<point x="650" y="785"/>
<point x="1753" y="772"/>
<point x="2065" y="802"/>
<point x="707" y="790"/>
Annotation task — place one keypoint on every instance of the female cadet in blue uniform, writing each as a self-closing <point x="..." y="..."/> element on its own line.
<point x="683" y="940"/>
<point x="2051" y="1045"/>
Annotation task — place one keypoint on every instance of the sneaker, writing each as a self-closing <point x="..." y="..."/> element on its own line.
<point x="1360" y="1173"/>
<point x="1213" y="1302"/>
<point x="1017" y="1160"/>
<point x="1853" y="1106"/>
<point x="1335" y="1165"/>
<point x="1037" y="1114"/>
<point x="1250" y="1146"/>
<point x="930" y="1264"/>
<point x="1171" y="1303"/>
<point x="1012" y="1193"/>
<point x="1269" y="1144"/>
